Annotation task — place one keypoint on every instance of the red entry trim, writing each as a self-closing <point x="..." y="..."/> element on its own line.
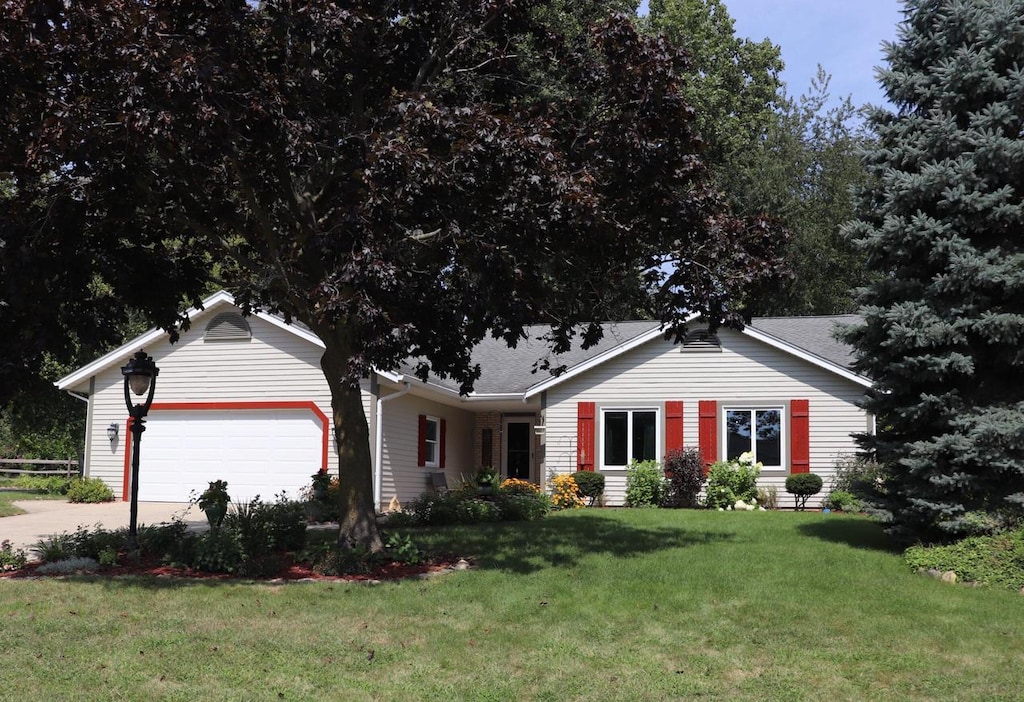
<point x="585" y="436"/>
<point x="221" y="406"/>
<point x="673" y="426"/>
<point x="799" y="436"/>
<point x="707" y="426"/>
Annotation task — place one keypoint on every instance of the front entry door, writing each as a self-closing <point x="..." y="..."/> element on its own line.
<point x="518" y="449"/>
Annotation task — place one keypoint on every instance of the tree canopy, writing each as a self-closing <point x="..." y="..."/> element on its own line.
<point x="944" y="325"/>
<point x="395" y="175"/>
<point x="805" y="172"/>
<point x="794" y="159"/>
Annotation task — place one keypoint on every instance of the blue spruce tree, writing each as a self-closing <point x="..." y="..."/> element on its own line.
<point x="943" y="330"/>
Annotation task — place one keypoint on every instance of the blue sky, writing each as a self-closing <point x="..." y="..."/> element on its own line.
<point x="844" y="37"/>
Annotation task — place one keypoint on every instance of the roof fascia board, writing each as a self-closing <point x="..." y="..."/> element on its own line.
<point x="806" y="356"/>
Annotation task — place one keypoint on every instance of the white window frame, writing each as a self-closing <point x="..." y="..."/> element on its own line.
<point x="781" y="408"/>
<point x="659" y="431"/>
<point x="432" y="446"/>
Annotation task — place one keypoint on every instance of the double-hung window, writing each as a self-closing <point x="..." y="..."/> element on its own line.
<point x="628" y="435"/>
<point x="431" y="442"/>
<point x="757" y="430"/>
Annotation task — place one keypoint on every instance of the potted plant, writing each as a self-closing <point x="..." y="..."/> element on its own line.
<point x="485" y="478"/>
<point x="214" y="502"/>
<point x="321" y="485"/>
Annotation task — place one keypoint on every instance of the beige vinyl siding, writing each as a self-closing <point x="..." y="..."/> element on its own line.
<point x="275" y="365"/>
<point x="745" y="371"/>
<point x="402" y="477"/>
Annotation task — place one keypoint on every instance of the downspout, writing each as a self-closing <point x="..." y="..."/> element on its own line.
<point x="83" y="398"/>
<point x="378" y="458"/>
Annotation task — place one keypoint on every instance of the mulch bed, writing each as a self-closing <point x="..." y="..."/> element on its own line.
<point x="290" y="572"/>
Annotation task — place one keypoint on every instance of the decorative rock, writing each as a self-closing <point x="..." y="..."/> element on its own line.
<point x="949" y="576"/>
<point x="462" y="564"/>
<point x="935" y="573"/>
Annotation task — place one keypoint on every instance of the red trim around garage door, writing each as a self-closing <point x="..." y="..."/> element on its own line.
<point x="188" y="406"/>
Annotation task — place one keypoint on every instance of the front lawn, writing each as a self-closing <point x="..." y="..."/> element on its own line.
<point x="10" y="495"/>
<point x="639" y="604"/>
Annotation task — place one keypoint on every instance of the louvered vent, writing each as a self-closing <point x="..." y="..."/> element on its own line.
<point x="701" y="340"/>
<point x="229" y="326"/>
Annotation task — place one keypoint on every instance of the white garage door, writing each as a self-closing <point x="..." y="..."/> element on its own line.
<point x="258" y="452"/>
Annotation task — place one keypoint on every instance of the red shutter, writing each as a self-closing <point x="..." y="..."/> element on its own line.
<point x="799" y="436"/>
<point x="673" y="426"/>
<point x="441" y="451"/>
<point x="585" y="436"/>
<point x="421" y="443"/>
<point x="707" y="414"/>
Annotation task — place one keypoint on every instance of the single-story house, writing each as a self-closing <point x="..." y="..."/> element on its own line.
<point x="243" y="399"/>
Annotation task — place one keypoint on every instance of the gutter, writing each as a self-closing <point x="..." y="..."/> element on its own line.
<point x="378" y="459"/>
<point x="83" y="398"/>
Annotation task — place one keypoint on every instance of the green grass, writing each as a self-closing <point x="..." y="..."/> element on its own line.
<point x="592" y="605"/>
<point x="7" y="496"/>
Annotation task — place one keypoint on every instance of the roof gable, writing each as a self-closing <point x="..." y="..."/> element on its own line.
<point x="211" y="306"/>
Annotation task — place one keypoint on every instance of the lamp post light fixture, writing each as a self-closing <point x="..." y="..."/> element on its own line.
<point x="139" y="379"/>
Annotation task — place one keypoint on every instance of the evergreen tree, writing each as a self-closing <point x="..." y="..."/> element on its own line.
<point x="943" y="330"/>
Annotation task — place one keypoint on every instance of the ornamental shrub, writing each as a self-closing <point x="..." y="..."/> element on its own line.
<point x="684" y="471"/>
<point x="46" y="484"/>
<point x="565" y="493"/>
<point x="590" y="483"/>
<point x="436" y="508"/>
<point x="90" y="490"/>
<point x="842" y="501"/>
<point x="993" y="560"/>
<point x="515" y="486"/>
<point x="645" y="484"/>
<point x="802" y="486"/>
<point x="729" y="481"/>
<point x="858" y="476"/>
<point x="476" y="511"/>
<point x="768" y="497"/>
<point x="522" y="508"/>
<point x="11" y="558"/>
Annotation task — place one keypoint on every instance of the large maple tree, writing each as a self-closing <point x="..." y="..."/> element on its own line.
<point x="401" y="177"/>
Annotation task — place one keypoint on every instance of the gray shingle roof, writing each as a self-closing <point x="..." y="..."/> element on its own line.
<point x="505" y="370"/>
<point x="812" y="334"/>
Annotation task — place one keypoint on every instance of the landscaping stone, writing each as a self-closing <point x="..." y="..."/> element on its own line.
<point x="949" y="576"/>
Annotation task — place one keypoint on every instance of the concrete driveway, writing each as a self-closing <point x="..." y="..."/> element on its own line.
<point x="44" y="518"/>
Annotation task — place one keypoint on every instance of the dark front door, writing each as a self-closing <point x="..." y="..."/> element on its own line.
<point x="518" y="442"/>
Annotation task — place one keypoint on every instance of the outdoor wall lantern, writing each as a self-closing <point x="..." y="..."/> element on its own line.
<point x="112" y="432"/>
<point x="139" y="379"/>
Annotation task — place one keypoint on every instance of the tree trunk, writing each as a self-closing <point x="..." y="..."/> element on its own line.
<point x="357" y="514"/>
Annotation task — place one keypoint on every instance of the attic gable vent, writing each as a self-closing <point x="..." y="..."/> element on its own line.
<point x="229" y="326"/>
<point x="701" y="340"/>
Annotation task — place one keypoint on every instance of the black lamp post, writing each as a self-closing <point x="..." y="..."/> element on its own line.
<point x="139" y="379"/>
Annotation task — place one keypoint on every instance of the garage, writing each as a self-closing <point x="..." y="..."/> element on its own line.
<point x="258" y="448"/>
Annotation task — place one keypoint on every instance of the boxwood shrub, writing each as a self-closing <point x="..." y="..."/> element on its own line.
<point x="590" y="484"/>
<point x="802" y="486"/>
